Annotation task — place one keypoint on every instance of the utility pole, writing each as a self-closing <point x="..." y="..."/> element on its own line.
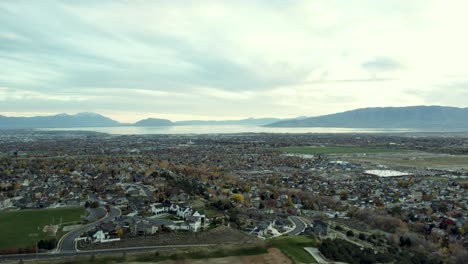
<point x="36" y="235"/>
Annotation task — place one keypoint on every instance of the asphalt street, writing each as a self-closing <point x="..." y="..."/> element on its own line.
<point x="300" y="226"/>
<point x="67" y="243"/>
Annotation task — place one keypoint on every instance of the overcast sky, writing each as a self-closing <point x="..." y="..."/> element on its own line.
<point x="230" y="59"/>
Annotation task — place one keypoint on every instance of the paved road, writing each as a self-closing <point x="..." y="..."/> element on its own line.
<point x="95" y="214"/>
<point x="300" y="226"/>
<point x="67" y="243"/>
<point x="319" y="257"/>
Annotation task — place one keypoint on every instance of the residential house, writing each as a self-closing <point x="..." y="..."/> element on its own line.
<point x="144" y="227"/>
<point x="319" y="228"/>
<point x="160" y="209"/>
<point x="194" y="223"/>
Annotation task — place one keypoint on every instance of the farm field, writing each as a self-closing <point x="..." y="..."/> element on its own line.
<point x="293" y="247"/>
<point x="16" y="226"/>
<point x="339" y="150"/>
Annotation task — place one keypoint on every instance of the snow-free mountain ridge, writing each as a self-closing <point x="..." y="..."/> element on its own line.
<point x="418" y="117"/>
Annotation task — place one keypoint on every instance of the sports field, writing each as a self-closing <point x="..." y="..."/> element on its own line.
<point x="16" y="226"/>
<point x="428" y="160"/>
<point x="339" y="150"/>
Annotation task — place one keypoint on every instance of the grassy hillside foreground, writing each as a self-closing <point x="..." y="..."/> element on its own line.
<point x="293" y="247"/>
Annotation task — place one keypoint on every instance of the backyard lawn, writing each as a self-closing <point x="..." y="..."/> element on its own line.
<point x="16" y="226"/>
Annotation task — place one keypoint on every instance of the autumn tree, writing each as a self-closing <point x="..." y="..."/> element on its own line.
<point x="237" y="197"/>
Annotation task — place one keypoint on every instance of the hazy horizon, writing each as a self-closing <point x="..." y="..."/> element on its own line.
<point x="229" y="60"/>
<point x="178" y="120"/>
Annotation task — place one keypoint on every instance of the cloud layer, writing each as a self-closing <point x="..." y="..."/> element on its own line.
<point x="229" y="59"/>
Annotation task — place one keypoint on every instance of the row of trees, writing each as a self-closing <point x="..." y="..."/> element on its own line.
<point x="379" y="219"/>
<point x="90" y="204"/>
<point x="341" y="250"/>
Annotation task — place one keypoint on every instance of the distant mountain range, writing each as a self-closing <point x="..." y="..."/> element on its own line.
<point x="60" y="120"/>
<point x="154" y="122"/>
<point x="97" y="120"/>
<point x="422" y="117"/>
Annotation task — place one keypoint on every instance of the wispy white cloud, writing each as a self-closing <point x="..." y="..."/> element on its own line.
<point x="10" y="94"/>
<point x="223" y="94"/>
<point x="242" y="58"/>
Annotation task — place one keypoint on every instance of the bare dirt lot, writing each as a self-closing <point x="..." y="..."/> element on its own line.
<point x="274" y="256"/>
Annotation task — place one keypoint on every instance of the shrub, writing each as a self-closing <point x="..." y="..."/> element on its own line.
<point x="47" y="244"/>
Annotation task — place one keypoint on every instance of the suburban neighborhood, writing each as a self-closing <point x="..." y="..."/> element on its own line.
<point x="140" y="191"/>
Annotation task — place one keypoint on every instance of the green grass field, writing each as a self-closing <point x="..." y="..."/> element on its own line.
<point x="338" y="150"/>
<point x="424" y="162"/>
<point x="293" y="247"/>
<point x="15" y="226"/>
<point x="440" y="161"/>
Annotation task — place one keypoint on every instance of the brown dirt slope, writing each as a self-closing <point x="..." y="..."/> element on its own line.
<point x="274" y="256"/>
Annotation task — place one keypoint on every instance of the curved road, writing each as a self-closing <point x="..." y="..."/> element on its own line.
<point x="96" y="214"/>
<point x="67" y="242"/>
<point x="300" y="226"/>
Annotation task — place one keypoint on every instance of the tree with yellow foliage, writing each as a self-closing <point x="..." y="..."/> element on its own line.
<point x="119" y="232"/>
<point x="164" y="164"/>
<point x="237" y="197"/>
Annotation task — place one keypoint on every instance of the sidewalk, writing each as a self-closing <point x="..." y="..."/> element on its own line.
<point x="318" y="256"/>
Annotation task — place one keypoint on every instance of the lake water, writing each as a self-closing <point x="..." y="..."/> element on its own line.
<point x="224" y="129"/>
